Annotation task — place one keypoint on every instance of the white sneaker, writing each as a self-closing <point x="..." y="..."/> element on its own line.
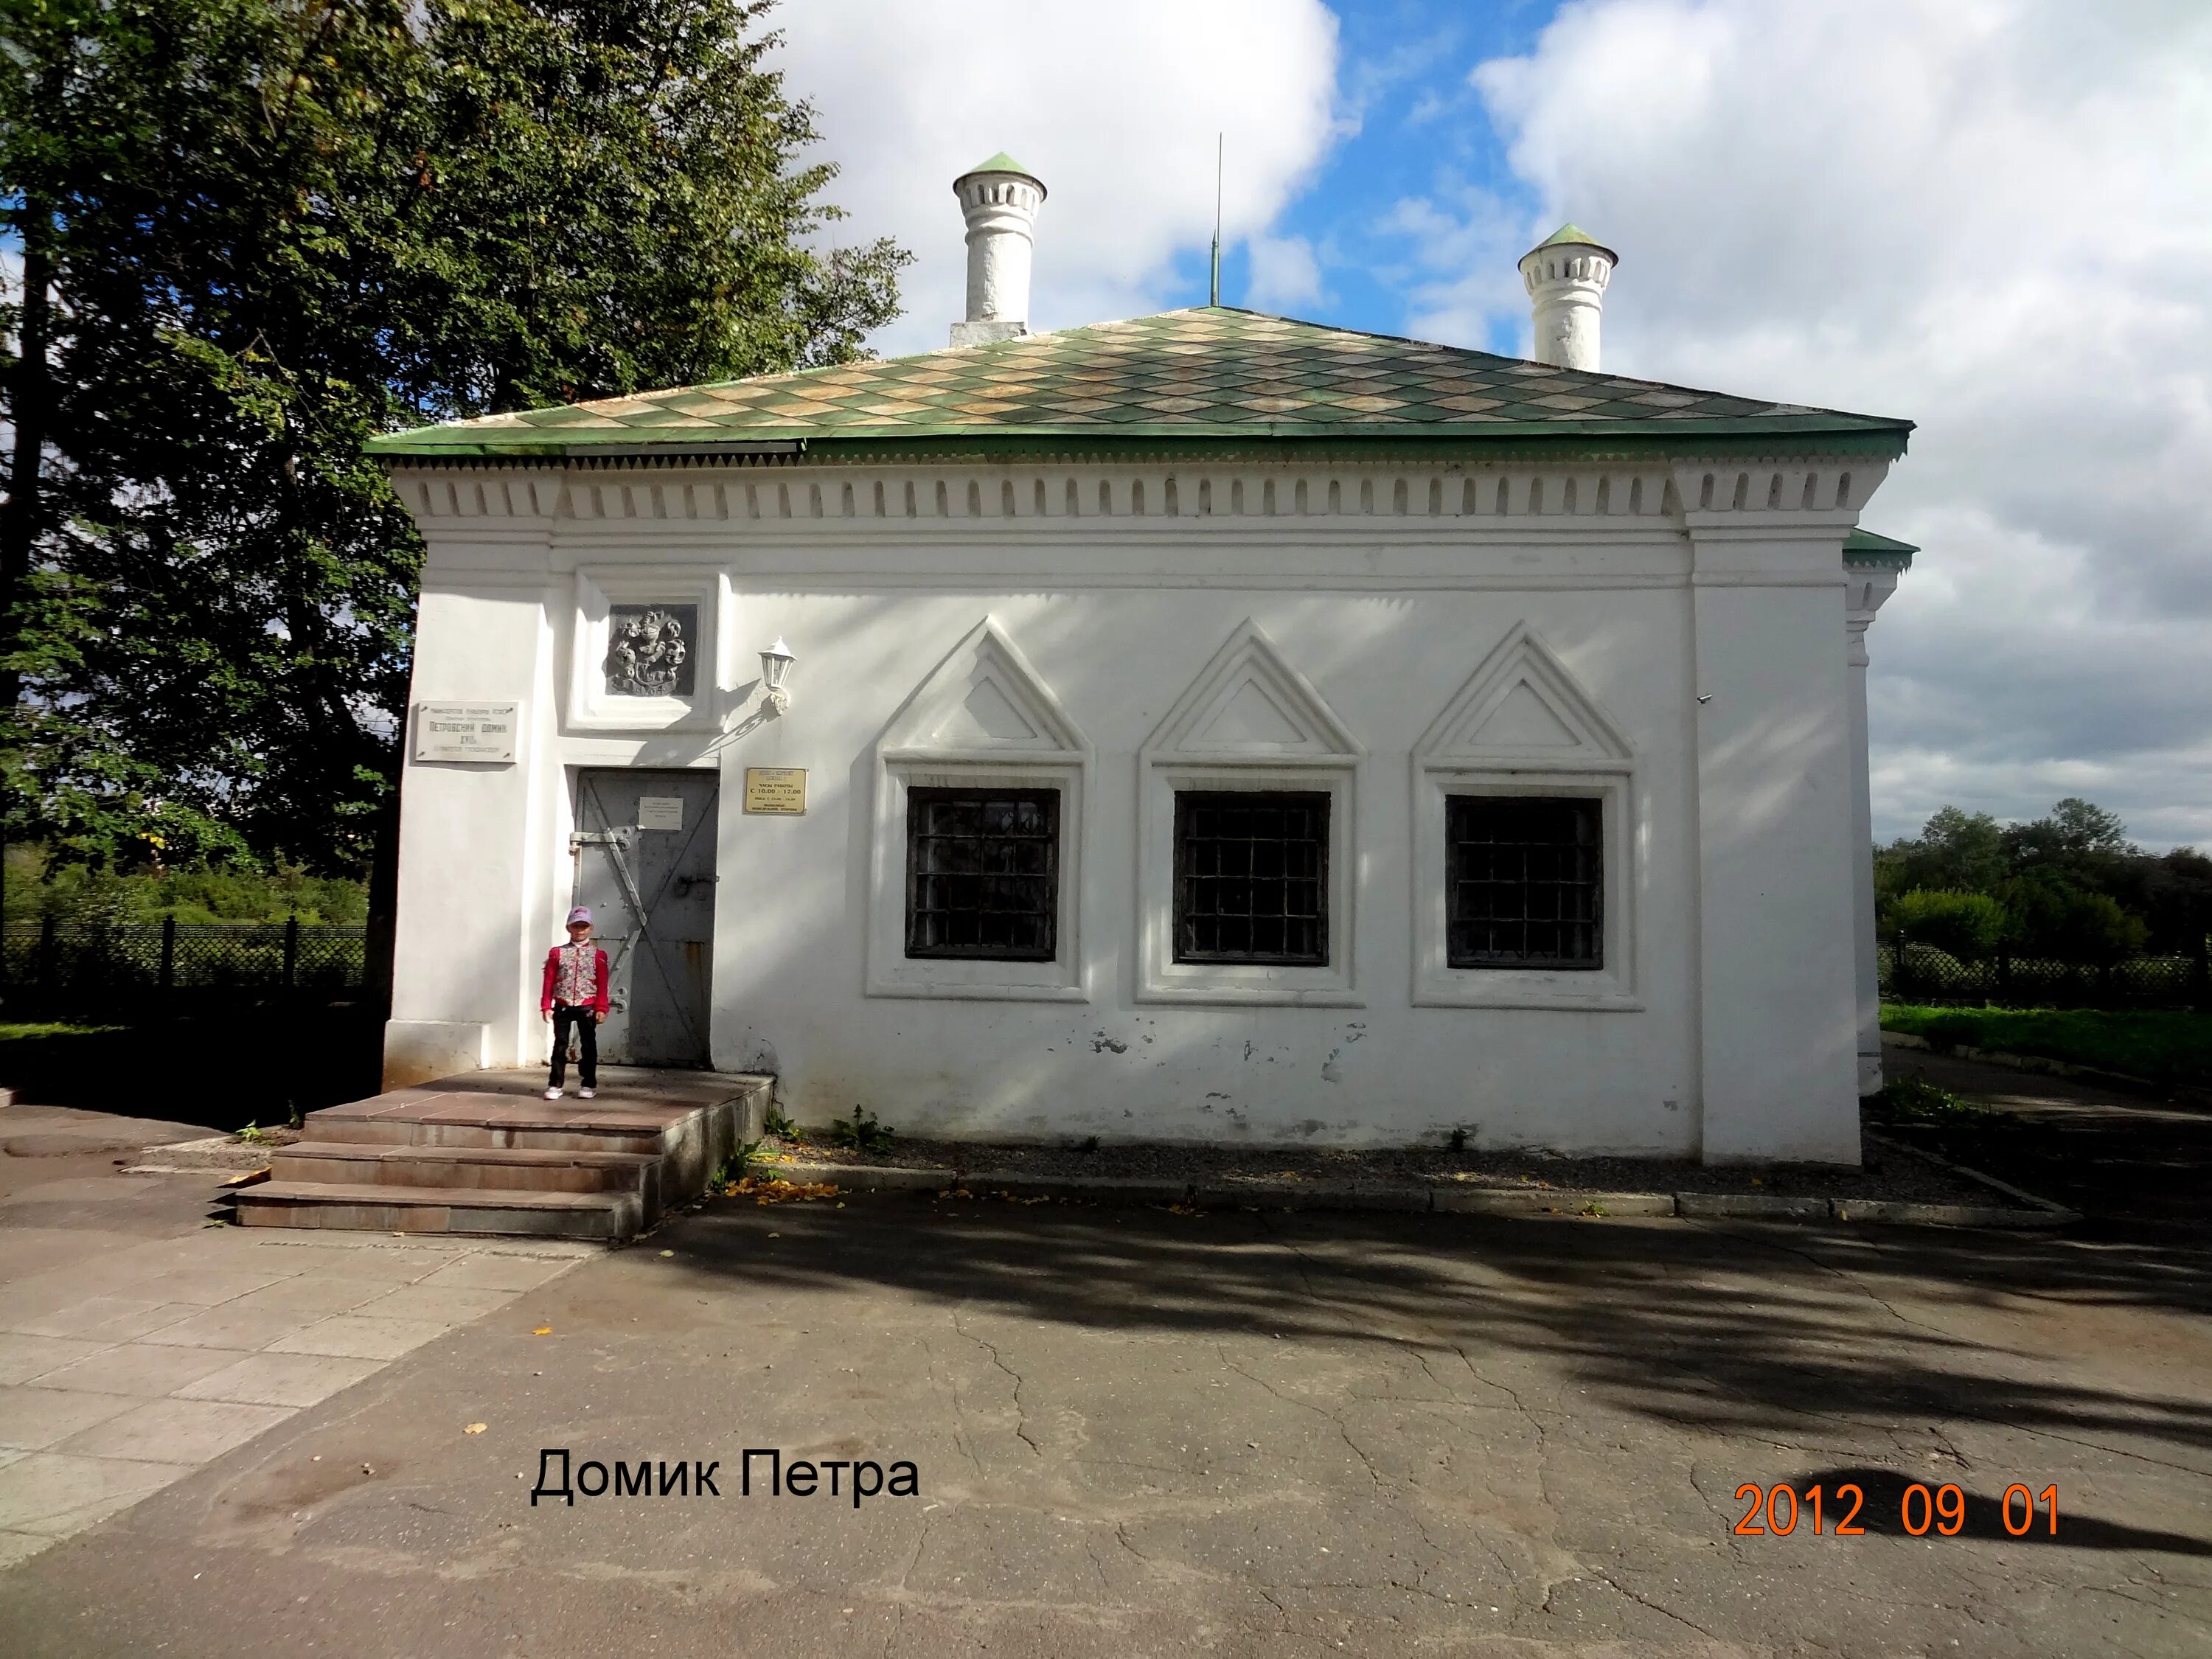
<point x="587" y="1094"/>
<point x="552" y="1094"/>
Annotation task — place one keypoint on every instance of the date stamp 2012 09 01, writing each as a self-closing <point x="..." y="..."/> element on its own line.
<point x="1776" y="1511"/>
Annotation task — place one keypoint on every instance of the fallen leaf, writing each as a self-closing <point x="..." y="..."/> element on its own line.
<point x="476" y="1428"/>
<point x="543" y="1330"/>
<point x="668" y="1253"/>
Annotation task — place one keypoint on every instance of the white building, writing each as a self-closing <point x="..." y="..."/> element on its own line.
<point x="1206" y="725"/>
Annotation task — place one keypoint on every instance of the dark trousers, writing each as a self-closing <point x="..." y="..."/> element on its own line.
<point x="585" y="1020"/>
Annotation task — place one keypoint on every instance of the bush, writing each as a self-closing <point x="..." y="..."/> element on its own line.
<point x="1961" y="925"/>
<point x="2053" y="917"/>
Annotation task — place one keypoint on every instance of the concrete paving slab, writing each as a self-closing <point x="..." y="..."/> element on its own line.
<point x="442" y="1304"/>
<point x="107" y="1319"/>
<point x="146" y="1369"/>
<point x="22" y="1357"/>
<point x="20" y="1546"/>
<point x="31" y="1419"/>
<point x="313" y="1295"/>
<point x="280" y="1379"/>
<point x="247" y="1328"/>
<point x="174" y="1431"/>
<point x="52" y="1494"/>
<point x="497" y="1272"/>
<point x="350" y="1337"/>
<point x="206" y="1286"/>
<point x="33" y="1250"/>
<point x="394" y="1264"/>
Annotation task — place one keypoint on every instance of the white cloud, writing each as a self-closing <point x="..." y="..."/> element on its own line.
<point x="1985" y="214"/>
<point x="1285" y="274"/>
<point x="1116" y="112"/>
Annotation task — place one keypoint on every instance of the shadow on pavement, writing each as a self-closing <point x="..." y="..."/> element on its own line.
<point x="1754" y="1331"/>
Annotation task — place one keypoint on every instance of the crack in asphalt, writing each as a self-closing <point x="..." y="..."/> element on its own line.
<point x="1021" y="1416"/>
<point x="1850" y="1278"/>
<point x="1643" y="1601"/>
<point x="1335" y="1419"/>
<point x="951" y="1387"/>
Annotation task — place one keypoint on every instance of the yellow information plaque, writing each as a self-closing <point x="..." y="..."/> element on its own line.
<point x="775" y="789"/>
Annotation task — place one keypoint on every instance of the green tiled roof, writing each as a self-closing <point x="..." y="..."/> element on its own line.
<point x="1210" y="375"/>
<point x="1864" y="547"/>
<point x="1571" y="233"/>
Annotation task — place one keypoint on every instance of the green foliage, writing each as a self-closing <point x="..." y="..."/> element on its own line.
<point x="254" y="1135"/>
<point x="37" y="886"/>
<point x="1915" y="1100"/>
<point x="862" y="1132"/>
<point x="2165" y="1046"/>
<point x="1956" y="852"/>
<point x="1960" y="924"/>
<point x="2051" y="916"/>
<point x="781" y="1127"/>
<point x="260" y="232"/>
<point x="738" y="1165"/>
<point x="2070" y="885"/>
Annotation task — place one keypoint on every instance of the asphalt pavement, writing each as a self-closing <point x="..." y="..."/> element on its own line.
<point x="1139" y="1431"/>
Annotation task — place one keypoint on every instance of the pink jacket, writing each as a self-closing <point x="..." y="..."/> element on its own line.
<point x="553" y="973"/>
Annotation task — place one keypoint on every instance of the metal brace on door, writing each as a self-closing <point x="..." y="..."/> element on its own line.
<point x="615" y="841"/>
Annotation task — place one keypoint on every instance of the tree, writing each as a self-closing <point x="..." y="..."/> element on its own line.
<point x="259" y="231"/>
<point x="1963" y="925"/>
<point x="2052" y="916"/>
<point x="1957" y="851"/>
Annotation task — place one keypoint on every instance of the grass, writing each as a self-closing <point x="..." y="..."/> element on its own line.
<point x="2166" y="1045"/>
<point x="17" y="1031"/>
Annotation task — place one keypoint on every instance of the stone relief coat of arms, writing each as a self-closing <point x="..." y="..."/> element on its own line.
<point x="649" y="650"/>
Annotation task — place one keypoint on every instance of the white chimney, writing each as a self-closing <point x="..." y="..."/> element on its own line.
<point x="999" y="200"/>
<point x="1566" y="274"/>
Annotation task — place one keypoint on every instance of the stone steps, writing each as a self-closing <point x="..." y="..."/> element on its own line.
<point x="522" y="1169"/>
<point x="378" y="1207"/>
<point x="483" y="1153"/>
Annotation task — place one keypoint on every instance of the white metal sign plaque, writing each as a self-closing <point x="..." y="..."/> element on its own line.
<point x="660" y="811"/>
<point x="466" y="731"/>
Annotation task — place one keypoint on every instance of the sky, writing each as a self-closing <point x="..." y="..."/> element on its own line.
<point x="1991" y="216"/>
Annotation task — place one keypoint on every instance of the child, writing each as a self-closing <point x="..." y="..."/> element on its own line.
<point x="575" y="995"/>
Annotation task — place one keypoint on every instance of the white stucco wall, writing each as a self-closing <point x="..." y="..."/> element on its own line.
<point x="1725" y="1025"/>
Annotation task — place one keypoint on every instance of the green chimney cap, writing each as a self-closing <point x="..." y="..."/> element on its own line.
<point x="1001" y="162"/>
<point x="1573" y="234"/>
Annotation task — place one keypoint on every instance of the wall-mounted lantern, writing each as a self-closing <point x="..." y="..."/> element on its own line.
<point x="775" y="666"/>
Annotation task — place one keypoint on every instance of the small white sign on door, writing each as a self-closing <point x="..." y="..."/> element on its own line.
<point x="660" y="811"/>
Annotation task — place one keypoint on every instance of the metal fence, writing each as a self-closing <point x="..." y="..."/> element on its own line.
<point x="1924" y="974"/>
<point x="58" y="959"/>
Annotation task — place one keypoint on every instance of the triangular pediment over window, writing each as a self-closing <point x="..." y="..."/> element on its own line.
<point x="1248" y="704"/>
<point x="983" y="699"/>
<point x="1522" y="708"/>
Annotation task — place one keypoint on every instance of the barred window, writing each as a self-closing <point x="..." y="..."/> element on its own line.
<point x="1525" y="882"/>
<point x="982" y="873"/>
<point x="1251" y="877"/>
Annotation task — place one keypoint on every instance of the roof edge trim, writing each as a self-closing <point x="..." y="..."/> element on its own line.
<point x="1884" y="443"/>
